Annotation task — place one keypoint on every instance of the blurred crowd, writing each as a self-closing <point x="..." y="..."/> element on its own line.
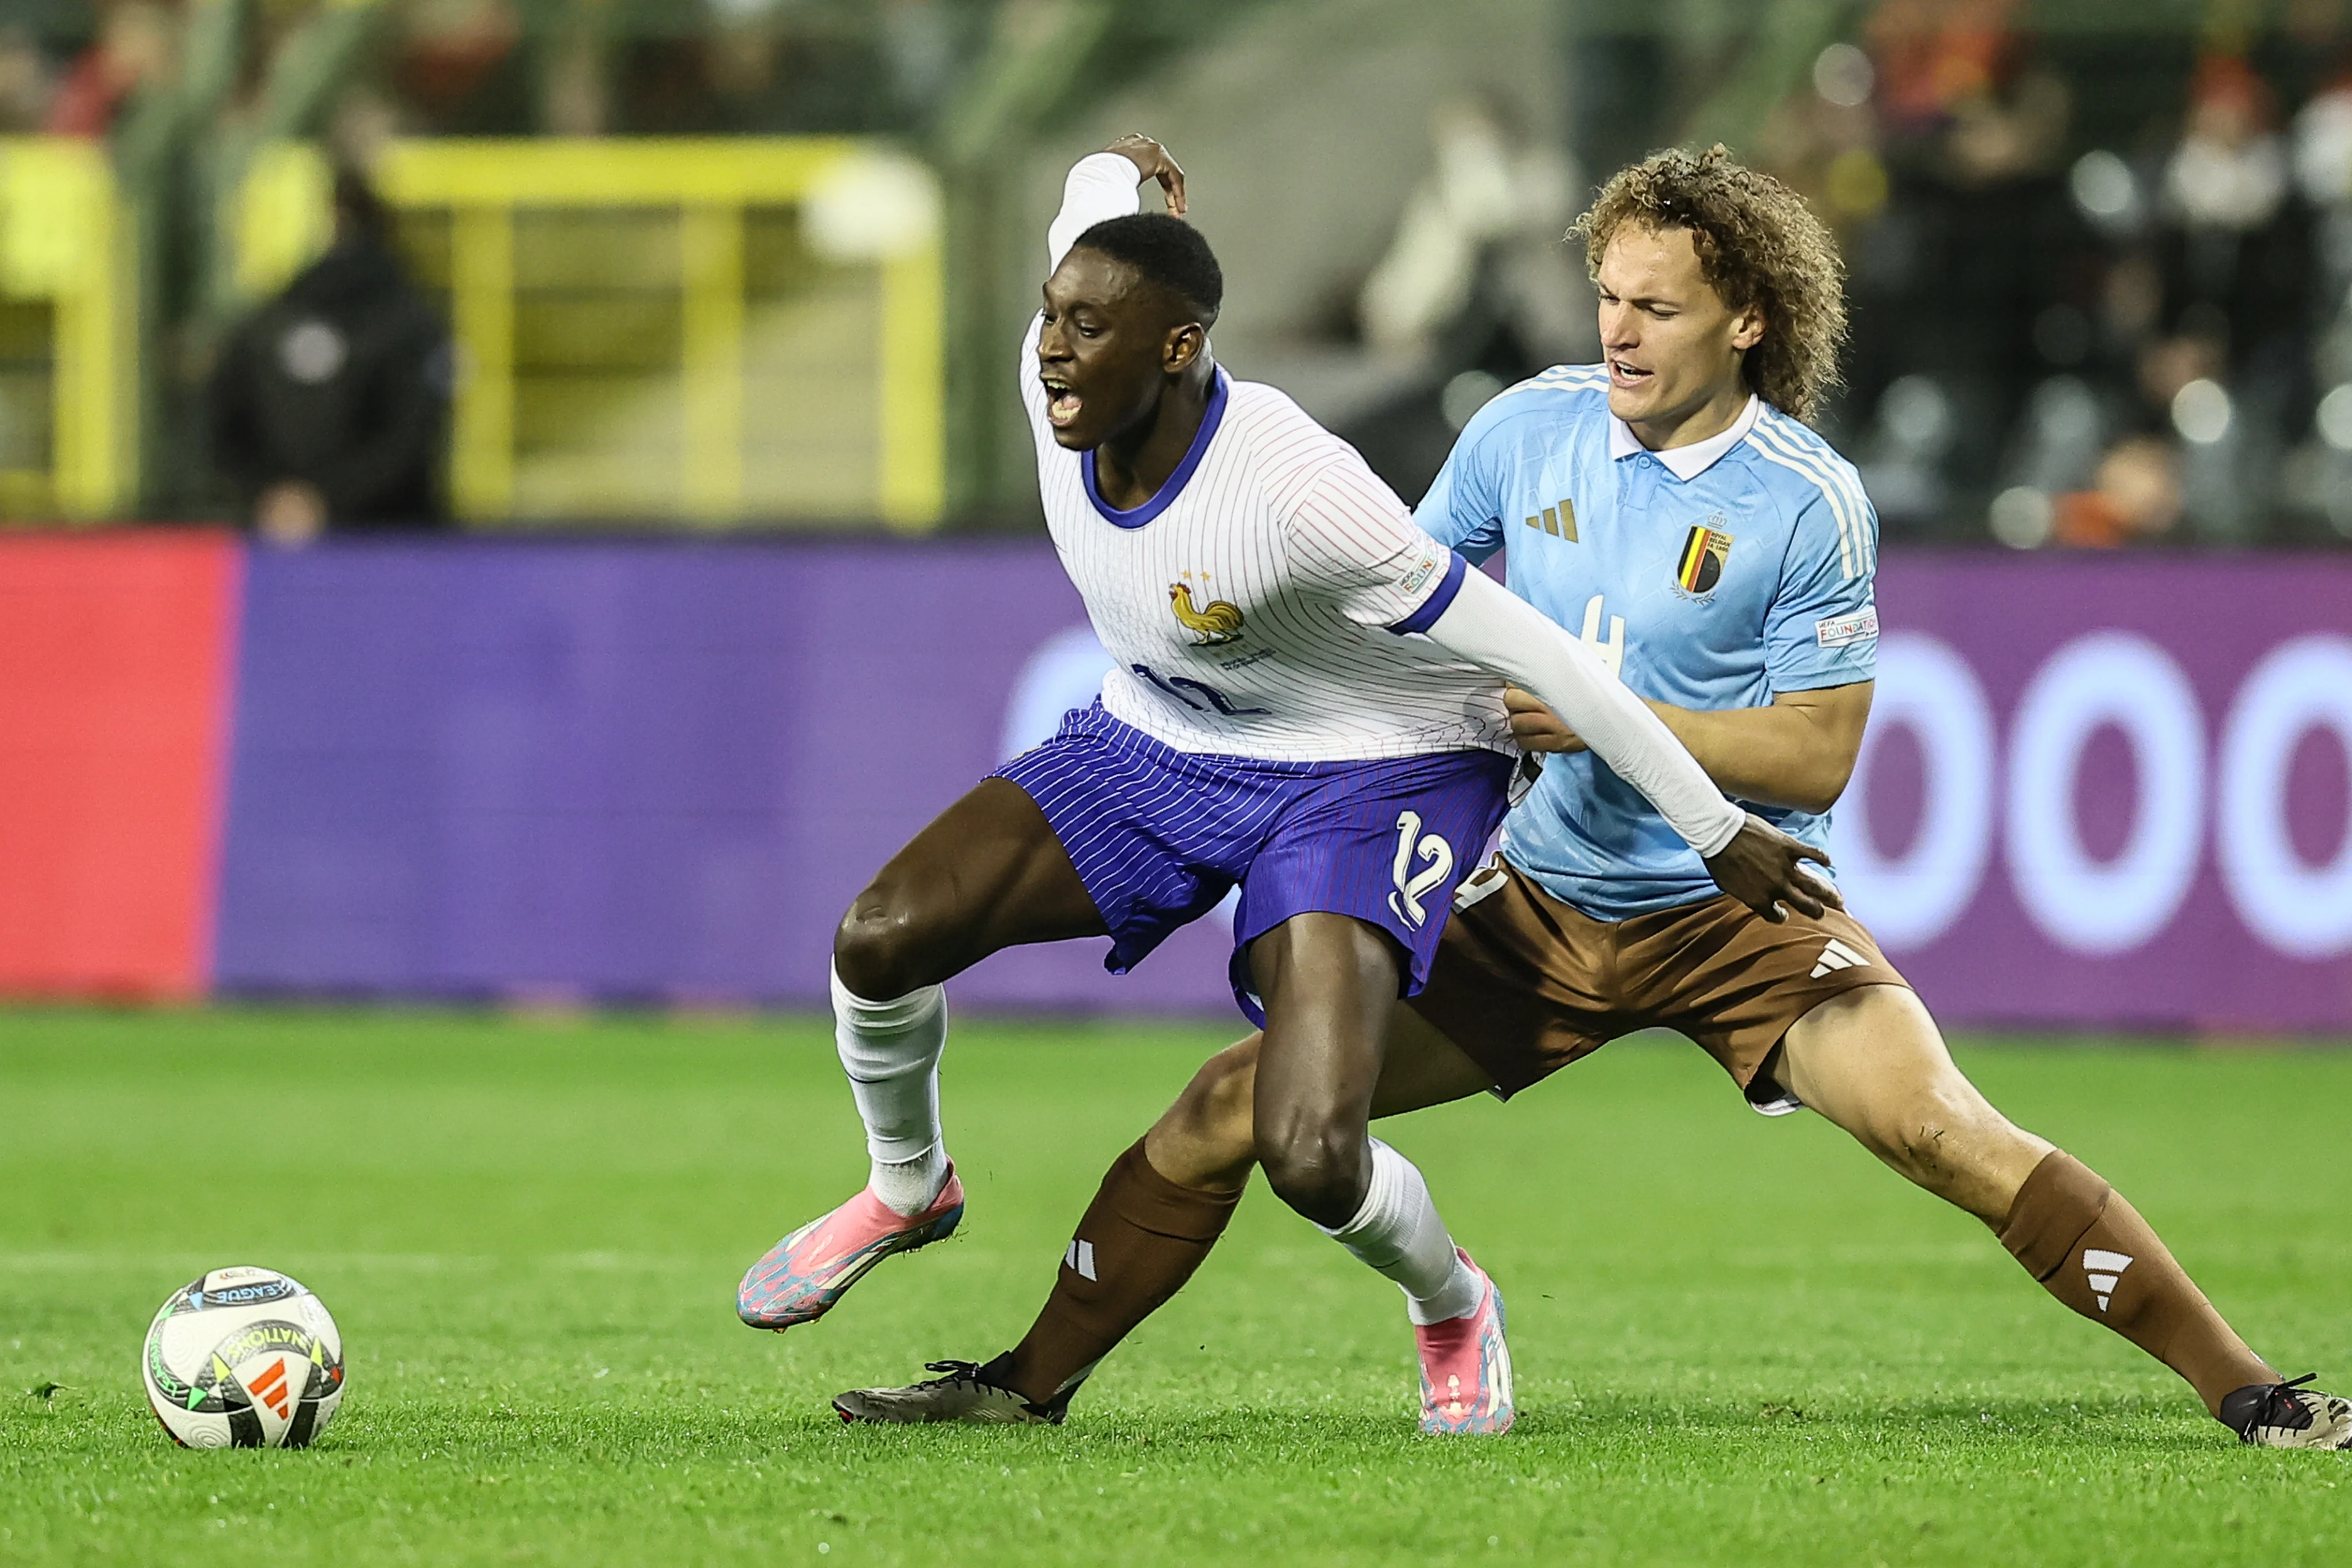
<point x="493" y="67"/>
<point x="2103" y="283"/>
<point x="2102" y="280"/>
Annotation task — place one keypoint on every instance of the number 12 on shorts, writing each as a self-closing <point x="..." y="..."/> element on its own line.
<point x="1414" y="845"/>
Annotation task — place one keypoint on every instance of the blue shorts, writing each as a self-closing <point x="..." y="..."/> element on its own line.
<point x="1160" y="835"/>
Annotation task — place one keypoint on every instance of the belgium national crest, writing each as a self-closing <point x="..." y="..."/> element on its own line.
<point x="1700" y="566"/>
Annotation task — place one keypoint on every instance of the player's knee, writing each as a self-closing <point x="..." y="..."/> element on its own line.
<point x="877" y="948"/>
<point x="1317" y="1166"/>
<point x="1935" y="1138"/>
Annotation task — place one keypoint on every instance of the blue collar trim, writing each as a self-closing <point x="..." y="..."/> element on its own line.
<point x="1211" y="417"/>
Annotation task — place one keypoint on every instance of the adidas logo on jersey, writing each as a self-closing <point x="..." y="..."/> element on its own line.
<point x="2105" y="1270"/>
<point x="1559" y="521"/>
<point x="1837" y="956"/>
<point x="1081" y="1259"/>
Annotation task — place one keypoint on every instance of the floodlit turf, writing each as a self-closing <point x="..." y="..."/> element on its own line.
<point x="1738" y="1341"/>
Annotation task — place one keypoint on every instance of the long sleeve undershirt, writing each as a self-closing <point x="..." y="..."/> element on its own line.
<point x="1489" y="626"/>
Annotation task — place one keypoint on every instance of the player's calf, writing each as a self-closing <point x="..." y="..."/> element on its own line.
<point x="1208" y="1137"/>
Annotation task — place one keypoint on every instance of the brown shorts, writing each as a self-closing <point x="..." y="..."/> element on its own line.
<point x="1524" y="984"/>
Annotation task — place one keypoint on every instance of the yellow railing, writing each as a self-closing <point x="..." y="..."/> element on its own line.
<point x="67" y="358"/>
<point x="710" y="331"/>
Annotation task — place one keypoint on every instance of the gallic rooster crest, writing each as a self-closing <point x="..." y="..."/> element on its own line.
<point x="1219" y="621"/>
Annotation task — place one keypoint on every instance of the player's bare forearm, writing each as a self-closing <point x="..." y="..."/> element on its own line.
<point x="1799" y="752"/>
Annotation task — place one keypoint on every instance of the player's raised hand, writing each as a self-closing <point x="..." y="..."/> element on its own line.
<point x="1534" y="726"/>
<point x="1763" y="868"/>
<point x="1154" y="163"/>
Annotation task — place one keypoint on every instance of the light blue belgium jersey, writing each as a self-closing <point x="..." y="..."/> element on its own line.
<point x="1711" y="576"/>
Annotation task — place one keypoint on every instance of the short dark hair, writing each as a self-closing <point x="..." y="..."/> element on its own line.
<point x="1166" y="251"/>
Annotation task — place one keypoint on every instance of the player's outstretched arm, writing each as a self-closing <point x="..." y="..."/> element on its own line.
<point x="1755" y="862"/>
<point x="1101" y="187"/>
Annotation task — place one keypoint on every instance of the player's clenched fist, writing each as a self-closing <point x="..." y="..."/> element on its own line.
<point x="1152" y="162"/>
<point x="1534" y="726"/>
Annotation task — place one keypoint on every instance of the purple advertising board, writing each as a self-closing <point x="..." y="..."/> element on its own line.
<point x="646" y="772"/>
<point x="2111" y="790"/>
<point x="2098" y="792"/>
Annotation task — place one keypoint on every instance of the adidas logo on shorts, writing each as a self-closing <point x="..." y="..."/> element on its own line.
<point x="1837" y="956"/>
<point x="1081" y="1259"/>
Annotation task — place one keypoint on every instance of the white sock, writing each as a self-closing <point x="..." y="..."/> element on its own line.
<point x="892" y="1053"/>
<point x="1399" y="1234"/>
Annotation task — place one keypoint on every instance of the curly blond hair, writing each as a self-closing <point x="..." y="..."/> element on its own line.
<point x="1758" y="244"/>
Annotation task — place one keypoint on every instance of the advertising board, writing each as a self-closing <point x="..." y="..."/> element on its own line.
<point x="2097" y="792"/>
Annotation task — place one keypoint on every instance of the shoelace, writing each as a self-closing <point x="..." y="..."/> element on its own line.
<point x="2281" y="1408"/>
<point x="972" y="1371"/>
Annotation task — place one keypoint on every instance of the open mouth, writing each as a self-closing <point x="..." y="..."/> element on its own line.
<point x="1062" y="404"/>
<point x="1627" y="374"/>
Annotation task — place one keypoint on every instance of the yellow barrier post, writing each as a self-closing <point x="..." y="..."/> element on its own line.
<point x="481" y="311"/>
<point x="64" y="242"/>
<point x="866" y="217"/>
<point x="711" y="242"/>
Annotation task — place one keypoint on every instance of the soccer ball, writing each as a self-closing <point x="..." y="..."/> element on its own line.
<point x="244" y="1358"/>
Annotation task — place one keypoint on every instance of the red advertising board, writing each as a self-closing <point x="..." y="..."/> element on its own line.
<point x="115" y="654"/>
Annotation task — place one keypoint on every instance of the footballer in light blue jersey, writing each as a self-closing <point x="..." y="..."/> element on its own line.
<point x="1711" y="576"/>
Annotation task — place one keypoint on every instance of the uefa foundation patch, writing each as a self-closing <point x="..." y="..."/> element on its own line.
<point x="1838" y="631"/>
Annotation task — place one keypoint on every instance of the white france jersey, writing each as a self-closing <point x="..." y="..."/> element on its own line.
<point x="1263" y="604"/>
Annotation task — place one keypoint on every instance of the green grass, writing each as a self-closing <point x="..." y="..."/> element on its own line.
<point x="1738" y="1341"/>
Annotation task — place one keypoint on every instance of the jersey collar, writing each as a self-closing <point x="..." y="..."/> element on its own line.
<point x="1211" y="417"/>
<point x="1685" y="463"/>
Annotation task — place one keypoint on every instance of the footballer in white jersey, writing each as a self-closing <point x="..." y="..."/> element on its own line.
<point x="1307" y="708"/>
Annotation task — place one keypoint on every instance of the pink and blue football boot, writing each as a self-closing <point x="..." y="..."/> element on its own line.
<point x="1465" y="1369"/>
<point x="804" y="1275"/>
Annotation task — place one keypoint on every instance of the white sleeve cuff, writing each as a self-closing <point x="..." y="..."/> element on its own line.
<point x="1100" y="185"/>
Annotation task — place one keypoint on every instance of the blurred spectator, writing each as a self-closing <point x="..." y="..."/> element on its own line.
<point x="2134" y="496"/>
<point x="768" y="67"/>
<point x="1493" y="196"/>
<point x="25" y="86"/>
<point x="1971" y="247"/>
<point x="460" y="68"/>
<point x="330" y="406"/>
<point x="2230" y="366"/>
<point x="136" y="48"/>
<point x="1474" y="291"/>
<point x="2229" y="171"/>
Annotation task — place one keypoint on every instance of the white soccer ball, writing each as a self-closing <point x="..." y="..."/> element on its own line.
<point x="244" y="1358"/>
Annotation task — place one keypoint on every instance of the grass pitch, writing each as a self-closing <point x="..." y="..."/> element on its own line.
<point x="1738" y="1341"/>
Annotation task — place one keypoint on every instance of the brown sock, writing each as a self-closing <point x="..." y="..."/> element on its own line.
<point x="2091" y="1249"/>
<point x="1141" y="1239"/>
